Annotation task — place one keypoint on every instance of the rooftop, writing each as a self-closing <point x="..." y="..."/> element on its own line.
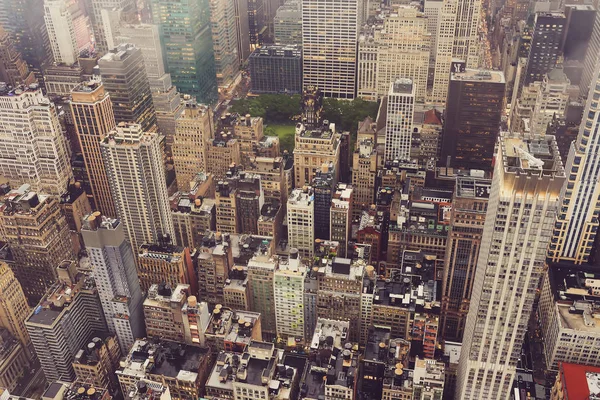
<point x="301" y="197"/>
<point x="158" y="357"/>
<point x="537" y="156"/>
<point x="580" y="381"/>
<point x="232" y="326"/>
<point x="89" y="355"/>
<point x="478" y="75"/>
<point x="161" y="295"/>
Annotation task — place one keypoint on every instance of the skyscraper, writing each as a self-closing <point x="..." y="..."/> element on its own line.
<point x="397" y="48"/>
<point x="443" y="52"/>
<point x="93" y="119"/>
<point x="113" y="265"/>
<point x="466" y="32"/>
<point x="13" y="306"/>
<point x="33" y="149"/>
<point x="469" y="206"/>
<point x="288" y="291"/>
<point x="301" y="221"/>
<point x="61" y="31"/>
<point x="473" y="114"/>
<point x="98" y="10"/>
<point x="522" y="207"/>
<point x="124" y="78"/>
<point x="193" y="130"/>
<point x="399" y="122"/>
<point x="187" y="39"/>
<point x="329" y="35"/>
<point x="551" y="101"/>
<point x="39" y="239"/>
<point x="64" y="321"/>
<point x="341" y="216"/>
<point x="546" y="45"/>
<point x="13" y="69"/>
<point x="577" y="222"/>
<point x="287" y="24"/>
<point x="242" y="30"/>
<point x="134" y="163"/>
<point x="225" y="41"/>
<point x="257" y="21"/>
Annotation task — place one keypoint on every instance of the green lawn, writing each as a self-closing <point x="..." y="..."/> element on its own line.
<point x="285" y="133"/>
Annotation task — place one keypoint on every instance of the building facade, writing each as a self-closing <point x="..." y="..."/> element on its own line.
<point x="399" y="121"/>
<point x="524" y="195"/>
<point x="329" y="35"/>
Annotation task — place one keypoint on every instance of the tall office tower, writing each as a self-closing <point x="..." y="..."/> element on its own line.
<point x="93" y="119"/>
<point x="579" y="28"/>
<point x="221" y="152"/>
<point x="166" y="99"/>
<point x="397" y="48"/>
<point x="63" y="322"/>
<point x="193" y="130"/>
<point x="39" y="239"/>
<point x="13" y="306"/>
<point x="226" y="207"/>
<point x="339" y="288"/>
<point x="34" y="149"/>
<point x="323" y="185"/>
<point x="13" y="69"/>
<point x="61" y="31"/>
<point x="261" y="273"/>
<point x="114" y="269"/>
<point x="301" y="221"/>
<point x="257" y="21"/>
<point x="341" y="216"/>
<point x="443" y="53"/>
<point x="98" y="11"/>
<point x="591" y="58"/>
<point x="288" y="291"/>
<point x="469" y="205"/>
<point x="473" y="115"/>
<point x="329" y="35"/>
<point x="287" y="24"/>
<point x="24" y="21"/>
<point x="528" y="176"/>
<point x="432" y="10"/>
<point x="399" y="122"/>
<point x="163" y="311"/>
<point x="242" y="30"/>
<point x="187" y="39"/>
<point x="577" y="221"/>
<point x="364" y="172"/>
<point x="225" y="45"/>
<point x="276" y="69"/>
<point x="249" y="199"/>
<point x="134" y="163"/>
<point x="466" y="32"/>
<point x="546" y="45"/>
<point x="551" y="101"/>
<point x="124" y="78"/>
<point x="312" y="149"/>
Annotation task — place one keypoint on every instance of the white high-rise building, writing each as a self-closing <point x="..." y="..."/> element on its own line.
<point x="397" y="48"/>
<point x="61" y="31"/>
<point x="466" y="32"/>
<point x="33" y="148"/>
<point x="443" y="51"/>
<point x="577" y="223"/>
<point x="399" y="123"/>
<point x="329" y="35"/>
<point x="301" y="221"/>
<point x="457" y="37"/>
<point x="134" y="164"/>
<point x="551" y="101"/>
<point x="432" y="10"/>
<point x="521" y="212"/>
<point x="288" y="289"/>
<point x="115" y="274"/>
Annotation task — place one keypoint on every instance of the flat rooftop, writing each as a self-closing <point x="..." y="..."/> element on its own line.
<point x="479" y="75"/>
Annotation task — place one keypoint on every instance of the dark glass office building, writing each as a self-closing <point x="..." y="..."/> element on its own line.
<point x="276" y="69"/>
<point x="546" y="45"/>
<point x="473" y="112"/>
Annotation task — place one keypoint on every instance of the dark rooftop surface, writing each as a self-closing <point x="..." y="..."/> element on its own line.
<point x="255" y="370"/>
<point x="53" y="390"/>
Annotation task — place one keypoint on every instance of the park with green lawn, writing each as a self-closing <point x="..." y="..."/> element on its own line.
<point x="281" y="113"/>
